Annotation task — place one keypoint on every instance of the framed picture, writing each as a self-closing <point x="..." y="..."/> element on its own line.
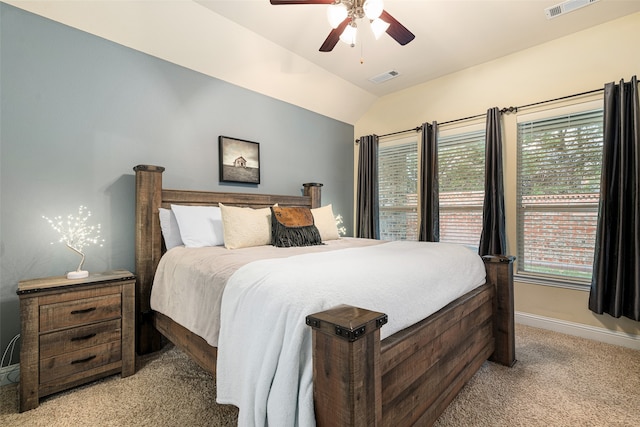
<point x="239" y="160"/>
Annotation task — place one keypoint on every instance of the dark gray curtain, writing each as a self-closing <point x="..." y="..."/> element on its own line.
<point x="367" y="209"/>
<point x="429" y="187"/>
<point x="615" y="286"/>
<point x="493" y="238"/>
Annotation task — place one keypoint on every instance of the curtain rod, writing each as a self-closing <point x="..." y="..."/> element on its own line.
<point x="415" y="129"/>
<point x="515" y="109"/>
<point x="502" y="110"/>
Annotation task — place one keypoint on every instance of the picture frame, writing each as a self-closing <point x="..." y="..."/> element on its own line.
<point x="239" y="160"/>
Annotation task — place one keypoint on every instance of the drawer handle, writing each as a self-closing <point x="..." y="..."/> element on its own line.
<point x="86" y="310"/>
<point x="86" y="337"/>
<point x="86" y="359"/>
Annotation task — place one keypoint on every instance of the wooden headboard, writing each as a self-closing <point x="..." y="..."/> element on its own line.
<point x="150" y="196"/>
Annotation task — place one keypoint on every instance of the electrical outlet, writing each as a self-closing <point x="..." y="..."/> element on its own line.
<point x="10" y="374"/>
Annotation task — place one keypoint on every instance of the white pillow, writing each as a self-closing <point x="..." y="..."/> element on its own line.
<point x="170" y="230"/>
<point x="245" y="227"/>
<point x="325" y="222"/>
<point x="199" y="225"/>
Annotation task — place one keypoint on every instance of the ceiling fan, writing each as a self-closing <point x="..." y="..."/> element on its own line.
<point x="343" y="16"/>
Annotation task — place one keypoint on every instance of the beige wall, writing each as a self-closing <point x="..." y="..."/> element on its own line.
<point x="574" y="64"/>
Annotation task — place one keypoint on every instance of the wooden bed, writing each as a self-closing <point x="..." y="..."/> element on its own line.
<point x="406" y="379"/>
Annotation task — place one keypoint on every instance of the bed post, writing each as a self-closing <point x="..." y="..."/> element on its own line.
<point x="148" y="252"/>
<point x="500" y="275"/>
<point x="313" y="189"/>
<point x="347" y="380"/>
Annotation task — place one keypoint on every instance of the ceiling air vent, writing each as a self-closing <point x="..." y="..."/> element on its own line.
<point x="566" y="7"/>
<point x="384" y="77"/>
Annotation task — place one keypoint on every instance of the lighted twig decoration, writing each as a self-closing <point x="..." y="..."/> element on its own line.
<point x="341" y="229"/>
<point x="76" y="234"/>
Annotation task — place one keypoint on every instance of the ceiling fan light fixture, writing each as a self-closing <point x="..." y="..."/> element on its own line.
<point x="373" y="8"/>
<point x="336" y="13"/>
<point x="349" y="34"/>
<point x="378" y="26"/>
<point x="343" y="14"/>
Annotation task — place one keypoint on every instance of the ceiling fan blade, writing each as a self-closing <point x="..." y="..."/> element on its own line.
<point x="279" y="2"/>
<point x="334" y="36"/>
<point x="396" y="30"/>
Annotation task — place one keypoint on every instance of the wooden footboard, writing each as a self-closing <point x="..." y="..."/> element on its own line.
<point x="410" y="377"/>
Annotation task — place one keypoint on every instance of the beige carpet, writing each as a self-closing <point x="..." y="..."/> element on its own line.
<point x="558" y="381"/>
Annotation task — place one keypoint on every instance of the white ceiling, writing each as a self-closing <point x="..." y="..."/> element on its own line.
<point x="451" y="35"/>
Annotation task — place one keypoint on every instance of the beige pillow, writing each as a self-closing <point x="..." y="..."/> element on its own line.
<point x="326" y="223"/>
<point x="245" y="227"/>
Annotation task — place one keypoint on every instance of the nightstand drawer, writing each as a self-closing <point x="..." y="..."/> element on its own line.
<point x="78" y="361"/>
<point x="69" y="340"/>
<point x="79" y="312"/>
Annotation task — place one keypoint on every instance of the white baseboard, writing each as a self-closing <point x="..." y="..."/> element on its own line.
<point x="10" y="374"/>
<point x="577" y="329"/>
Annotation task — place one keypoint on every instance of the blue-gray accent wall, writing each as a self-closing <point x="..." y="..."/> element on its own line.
<point x="78" y="112"/>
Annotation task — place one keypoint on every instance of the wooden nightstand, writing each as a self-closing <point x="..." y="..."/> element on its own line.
<point x="75" y="331"/>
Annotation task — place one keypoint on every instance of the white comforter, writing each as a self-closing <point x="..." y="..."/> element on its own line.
<point x="188" y="283"/>
<point x="264" y="352"/>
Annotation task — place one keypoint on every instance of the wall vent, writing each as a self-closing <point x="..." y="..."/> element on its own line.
<point x="384" y="77"/>
<point x="566" y="7"/>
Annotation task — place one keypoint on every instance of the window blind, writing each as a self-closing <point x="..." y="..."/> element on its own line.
<point x="558" y="185"/>
<point x="461" y="163"/>
<point x="398" y="190"/>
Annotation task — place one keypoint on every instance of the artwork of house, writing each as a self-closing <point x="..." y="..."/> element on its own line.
<point x="240" y="162"/>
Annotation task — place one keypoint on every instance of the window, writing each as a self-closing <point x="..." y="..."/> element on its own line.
<point x="558" y="185"/>
<point x="461" y="178"/>
<point x="398" y="189"/>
